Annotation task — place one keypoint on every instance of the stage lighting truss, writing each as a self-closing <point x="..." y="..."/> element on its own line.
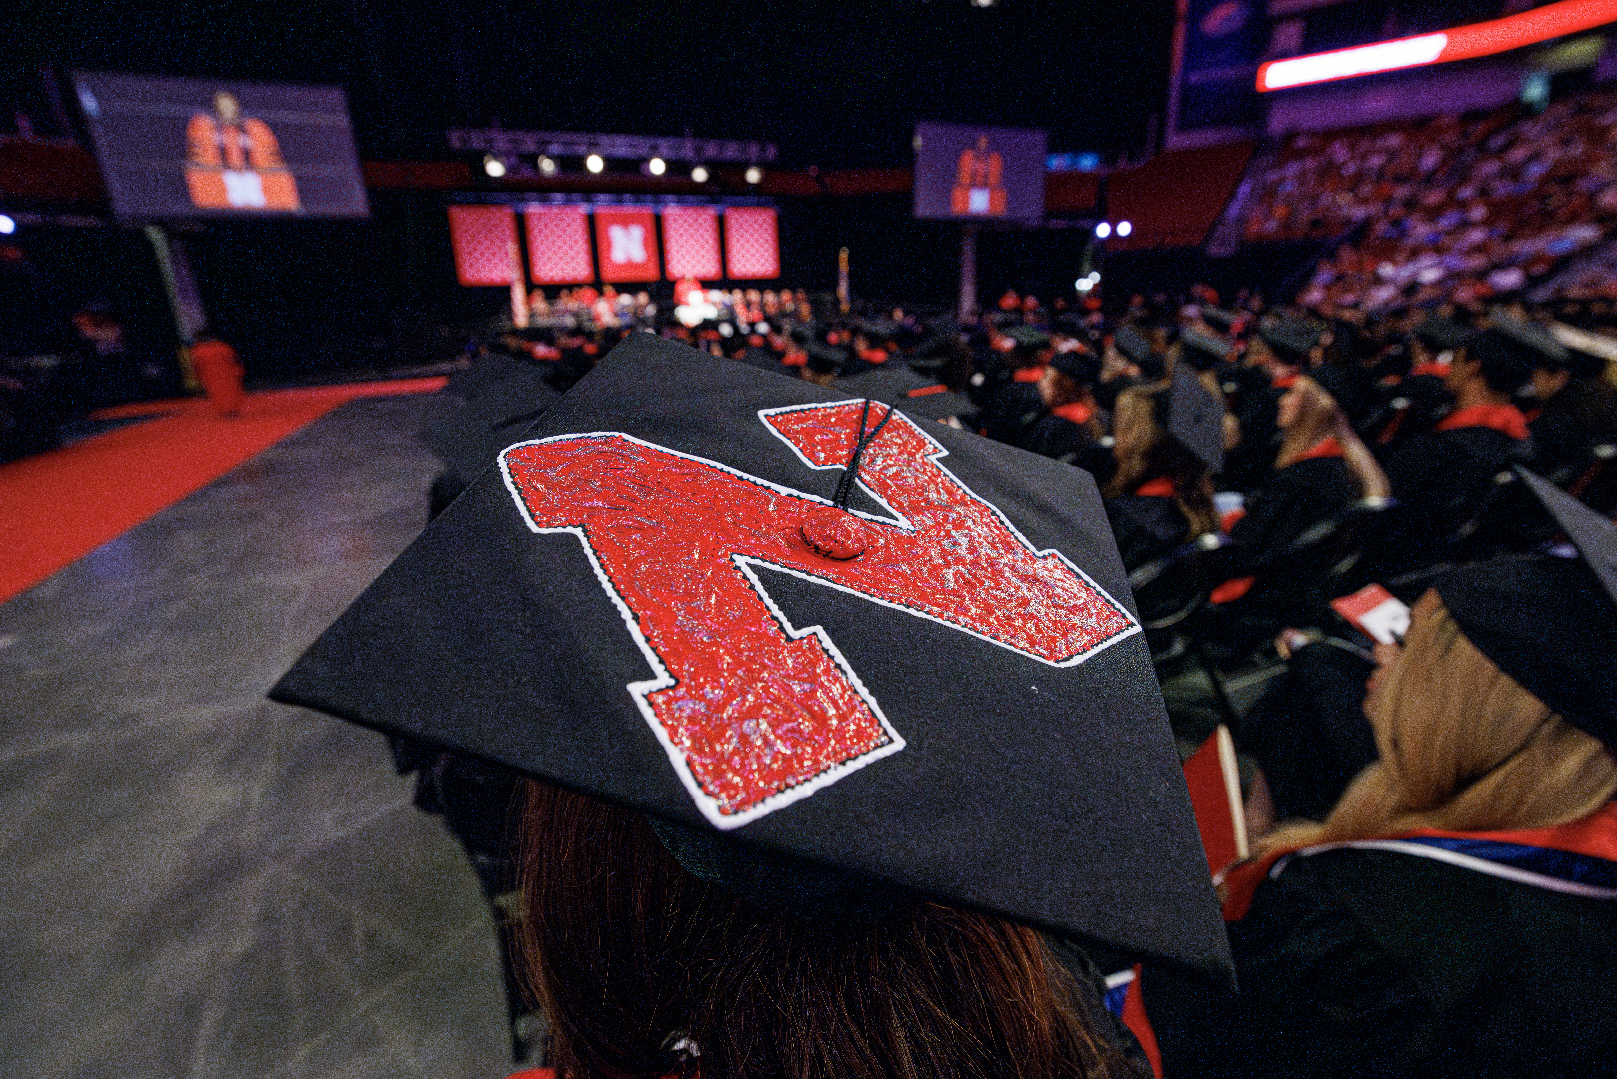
<point x="573" y="144"/>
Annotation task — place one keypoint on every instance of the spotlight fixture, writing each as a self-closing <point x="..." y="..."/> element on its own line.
<point x="755" y="175"/>
<point x="1083" y="284"/>
<point x="656" y="166"/>
<point x="547" y="167"/>
<point x="493" y="166"/>
<point x="1103" y="230"/>
<point x="595" y="163"/>
<point x="1125" y="227"/>
<point x="699" y="174"/>
<point x="8" y="225"/>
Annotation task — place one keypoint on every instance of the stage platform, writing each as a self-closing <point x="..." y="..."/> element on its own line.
<point x="197" y="882"/>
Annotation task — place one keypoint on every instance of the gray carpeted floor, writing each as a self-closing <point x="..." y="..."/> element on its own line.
<point x="199" y="883"/>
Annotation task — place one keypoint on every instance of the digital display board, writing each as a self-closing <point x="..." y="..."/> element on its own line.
<point x="178" y="148"/>
<point x="971" y="173"/>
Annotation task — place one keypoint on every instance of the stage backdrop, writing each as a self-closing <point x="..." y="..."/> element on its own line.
<point x="979" y="173"/>
<point x="691" y="243"/>
<point x="626" y="245"/>
<point x="751" y="243"/>
<point x="186" y="148"/>
<point x="484" y="240"/>
<point x="558" y="245"/>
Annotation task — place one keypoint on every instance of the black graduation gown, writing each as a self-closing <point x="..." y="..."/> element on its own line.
<point x="1569" y="426"/>
<point x="1247" y="464"/>
<point x="1147" y="527"/>
<point x="1381" y="964"/>
<point x="1440" y="480"/>
<point x="1015" y="407"/>
<point x="1071" y="443"/>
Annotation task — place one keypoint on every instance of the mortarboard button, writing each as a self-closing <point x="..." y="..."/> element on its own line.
<point x="834" y="533"/>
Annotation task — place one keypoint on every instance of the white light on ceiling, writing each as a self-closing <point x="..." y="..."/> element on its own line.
<point x="547" y="167"/>
<point x="595" y="163"/>
<point x="1125" y="227"/>
<point x="8" y="225"/>
<point x="1103" y="230"/>
<point x="493" y="166"/>
<point x="755" y="174"/>
<point x="699" y="174"/>
<point x="1083" y="284"/>
<point x="656" y="166"/>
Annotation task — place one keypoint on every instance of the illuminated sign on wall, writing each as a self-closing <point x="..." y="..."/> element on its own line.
<point x="1459" y="43"/>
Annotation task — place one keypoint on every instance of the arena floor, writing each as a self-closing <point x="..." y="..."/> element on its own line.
<point x="200" y="883"/>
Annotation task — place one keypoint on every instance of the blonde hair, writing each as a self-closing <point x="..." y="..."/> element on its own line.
<point x="1155" y="453"/>
<point x="1464" y="748"/>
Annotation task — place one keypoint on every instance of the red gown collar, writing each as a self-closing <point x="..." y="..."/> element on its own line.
<point x="1325" y="447"/>
<point x="1506" y="419"/>
<point x="1075" y="411"/>
<point x="1161" y="487"/>
<point x="1027" y="374"/>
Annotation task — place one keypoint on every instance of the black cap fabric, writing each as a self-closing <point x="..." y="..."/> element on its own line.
<point x="914" y="394"/>
<point x="1293" y="341"/>
<point x="825" y="359"/>
<point x="1133" y="344"/>
<point x="1082" y="367"/>
<point x="1536" y="346"/>
<point x="1442" y="334"/>
<point x="1203" y="352"/>
<point x="941" y="687"/>
<point x="1196" y="418"/>
<point x="1028" y="337"/>
<point x="1550" y="622"/>
<point x="469" y="439"/>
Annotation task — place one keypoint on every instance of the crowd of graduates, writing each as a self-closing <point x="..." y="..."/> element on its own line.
<point x="1256" y="465"/>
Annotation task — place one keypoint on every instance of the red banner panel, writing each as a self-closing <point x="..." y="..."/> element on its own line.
<point x="558" y="245"/>
<point x="691" y="243"/>
<point x="484" y="238"/>
<point x="626" y="244"/>
<point x="751" y="243"/>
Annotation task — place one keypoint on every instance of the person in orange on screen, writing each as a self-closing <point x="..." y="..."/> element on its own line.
<point x="219" y="371"/>
<point x="979" y="187"/>
<point x="234" y="163"/>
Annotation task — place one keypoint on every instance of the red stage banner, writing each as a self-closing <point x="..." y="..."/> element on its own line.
<point x="558" y="245"/>
<point x="626" y="244"/>
<point x="751" y="243"/>
<point x="484" y="239"/>
<point x="691" y="243"/>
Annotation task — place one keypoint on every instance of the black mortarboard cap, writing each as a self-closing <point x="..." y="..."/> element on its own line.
<point x="1218" y="318"/>
<point x="1202" y="352"/>
<point x="1441" y="334"/>
<point x="1535" y="344"/>
<point x="1133" y="344"/>
<point x="468" y="439"/>
<point x="1082" y="367"/>
<point x="1550" y="622"/>
<point x="656" y="600"/>
<point x="825" y="359"/>
<point x="1028" y="337"/>
<point x="1292" y="340"/>
<point x="911" y="392"/>
<point x="1196" y="418"/>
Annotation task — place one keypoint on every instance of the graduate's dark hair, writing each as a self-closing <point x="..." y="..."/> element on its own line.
<point x="646" y="971"/>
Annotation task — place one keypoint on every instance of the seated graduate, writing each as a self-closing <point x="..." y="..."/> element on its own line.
<point x="1072" y="428"/>
<point x="1456" y="913"/>
<point x="1577" y="411"/>
<point x="1018" y="404"/>
<point x="1161" y="496"/>
<point x="754" y="854"/>
<point x="1441" y="478"/>
<point x="1321" y="470"/>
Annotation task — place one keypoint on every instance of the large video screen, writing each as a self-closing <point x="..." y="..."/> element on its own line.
<point x="979" y="173"/>
<point x="176" y="148"/>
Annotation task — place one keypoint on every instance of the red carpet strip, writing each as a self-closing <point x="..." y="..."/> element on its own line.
<point x="57" y="507"/>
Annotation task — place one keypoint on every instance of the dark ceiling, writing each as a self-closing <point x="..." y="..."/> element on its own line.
<point x="833" y="84"/>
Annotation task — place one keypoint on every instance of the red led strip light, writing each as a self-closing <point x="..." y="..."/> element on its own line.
<point x="1459" y="43"/>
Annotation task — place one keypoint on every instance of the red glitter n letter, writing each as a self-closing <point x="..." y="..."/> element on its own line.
<point x="755" y="713"/>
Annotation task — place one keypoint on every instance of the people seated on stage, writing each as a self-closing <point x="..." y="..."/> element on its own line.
<point x="1322" y="468"/>
<point x="1072" y="427"/>
<point x="1453" y="915"/>
<point x="1017" y="404"/>
<point x="1160" y="496"/>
